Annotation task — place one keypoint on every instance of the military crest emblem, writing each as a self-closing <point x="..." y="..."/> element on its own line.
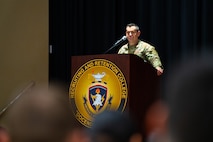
<point x="98" y="85"/>
<point x="97" y="97"/>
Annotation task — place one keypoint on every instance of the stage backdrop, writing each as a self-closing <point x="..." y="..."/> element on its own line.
<point x="177" y="28"/>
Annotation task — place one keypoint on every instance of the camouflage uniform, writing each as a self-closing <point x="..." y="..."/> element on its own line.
<point x="144" y="50"/>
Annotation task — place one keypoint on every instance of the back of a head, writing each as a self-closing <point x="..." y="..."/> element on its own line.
<point x="189" y="95"/>
<point x="112" y="126"/>
<point x="43" y="115"/>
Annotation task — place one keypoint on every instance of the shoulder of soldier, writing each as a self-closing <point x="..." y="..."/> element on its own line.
<point x="146" y="44"/>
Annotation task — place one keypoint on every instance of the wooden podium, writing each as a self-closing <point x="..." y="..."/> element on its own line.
<point x="142" y="81"/>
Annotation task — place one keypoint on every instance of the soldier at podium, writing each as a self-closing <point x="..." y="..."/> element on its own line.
<point x="140" y="48"/>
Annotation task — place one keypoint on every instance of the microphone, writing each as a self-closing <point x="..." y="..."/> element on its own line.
<point x="120" y="40"/>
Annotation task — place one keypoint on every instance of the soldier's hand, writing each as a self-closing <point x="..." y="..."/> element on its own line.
<point x="159" y="71"/>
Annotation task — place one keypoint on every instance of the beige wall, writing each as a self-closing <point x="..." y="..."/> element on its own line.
<point x="23" y="46"/>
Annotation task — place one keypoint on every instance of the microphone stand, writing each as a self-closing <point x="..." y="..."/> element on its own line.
<point x="30" y="85"/>
<point x="116" y="44"/>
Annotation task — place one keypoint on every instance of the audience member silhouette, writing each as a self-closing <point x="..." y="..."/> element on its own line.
<point x="189" y="97"/>
<point x="156" y="122"/>
<point x="42" y="115"/>
<point x="114" y="126"/>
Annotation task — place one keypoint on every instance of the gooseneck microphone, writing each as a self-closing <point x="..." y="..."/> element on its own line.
<point x="116" y="44"/>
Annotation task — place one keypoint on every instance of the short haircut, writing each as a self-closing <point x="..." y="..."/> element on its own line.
<point x="133" y="24"/>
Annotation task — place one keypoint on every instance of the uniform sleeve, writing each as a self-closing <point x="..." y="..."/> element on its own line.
<point x="152" y="56"/>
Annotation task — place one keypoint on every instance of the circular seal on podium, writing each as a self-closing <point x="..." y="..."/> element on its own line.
<point x="96" y="86"/>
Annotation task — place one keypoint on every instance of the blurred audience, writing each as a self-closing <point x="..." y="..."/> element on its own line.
<point x="156" y="122"/>
<point x="114" y="126"/>
<point x="79" y="134"/>
<point x="42" y="115"/>
<point x="189" y="97"/>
